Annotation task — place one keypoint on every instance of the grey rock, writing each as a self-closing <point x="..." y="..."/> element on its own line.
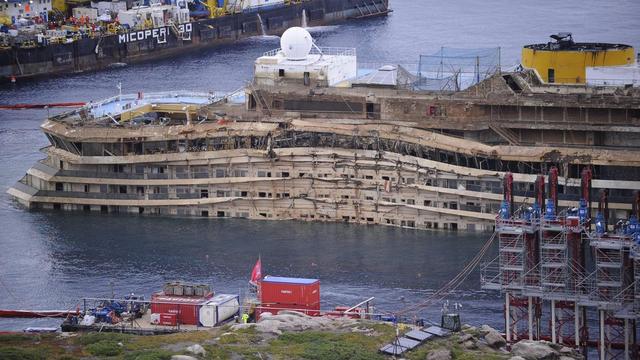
<point x="470" y="345"/>
<point x="440" y="354"/>
<point x="183" y="357"/>
<point x="494" y="339"/>
<point x="565" y="350"/>
<point x="534" y="350"/>
<point x="196" y="349"/>
<point x="487" y="329"/>
<point x="464" y="338"/>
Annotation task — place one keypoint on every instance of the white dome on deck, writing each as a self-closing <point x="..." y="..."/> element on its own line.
<point x="296" y="43"/>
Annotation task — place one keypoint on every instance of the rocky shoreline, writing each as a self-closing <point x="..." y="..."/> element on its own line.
<point x="289" y="335"/>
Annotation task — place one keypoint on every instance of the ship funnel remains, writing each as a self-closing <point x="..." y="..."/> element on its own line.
<point x="296" y="43"/>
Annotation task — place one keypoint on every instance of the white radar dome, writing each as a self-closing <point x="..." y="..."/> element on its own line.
<point x="296" y="43"/>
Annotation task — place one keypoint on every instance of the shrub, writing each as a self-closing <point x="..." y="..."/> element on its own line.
<point x="149" y="355"/>
<point x="92" y="338"/>
<point x="104" y="348"/>
<point x="14" y="353"/>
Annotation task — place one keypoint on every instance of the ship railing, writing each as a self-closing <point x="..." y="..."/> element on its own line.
<point x="162" y="95"/>
<point x="89" y="195"/>
<point x="96" y="174"/>
<point x="333" y="51"/>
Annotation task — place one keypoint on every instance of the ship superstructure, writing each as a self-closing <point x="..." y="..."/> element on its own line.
<point x="314" y="139"/>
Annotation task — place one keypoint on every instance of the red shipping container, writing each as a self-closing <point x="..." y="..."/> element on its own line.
<point x="185" y="308"/>
<point x="168" y="319"/>
<point x="311" y="310"/>
<point x="284" y="290"/>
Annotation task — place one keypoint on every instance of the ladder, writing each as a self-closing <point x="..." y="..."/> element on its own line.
<point x="369" y="9"/>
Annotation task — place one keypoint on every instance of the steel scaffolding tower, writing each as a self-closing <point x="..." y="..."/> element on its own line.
<point x="554" y="258"/>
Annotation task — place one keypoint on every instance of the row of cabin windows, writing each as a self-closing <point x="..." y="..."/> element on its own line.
<point x="204" y="193"/>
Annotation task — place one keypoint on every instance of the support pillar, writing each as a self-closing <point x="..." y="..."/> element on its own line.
<point x="626" y="339"/>
<point x="576" y="324"/>
<point x="507" y="317"/>
<point x="602" y="349"/>
<point x="530" y="314"/>
<point x="553" y="321"/>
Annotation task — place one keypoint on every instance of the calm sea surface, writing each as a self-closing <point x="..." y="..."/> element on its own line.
<point x="48" y="260"/>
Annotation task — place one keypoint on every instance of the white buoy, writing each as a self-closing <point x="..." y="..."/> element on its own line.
<point x="296" y="43"/>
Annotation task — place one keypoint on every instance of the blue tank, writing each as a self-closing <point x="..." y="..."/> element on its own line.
<point x="535" y="211"/>
<point x="634" y="226"/>
<point x="550" y="210"/>
<point x="504" y="210"/>
<point x="600" y="225"/>
<point x="583" y="211"/>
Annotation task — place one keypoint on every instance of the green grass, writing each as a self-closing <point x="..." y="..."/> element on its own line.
<point x="92" y="338"/>
<point x="15" y="353"/>
<point x="314" y="345"/>
<point x="104" y="348"/>
<point x="148" y="355"/>
<point x="245" y="343"/>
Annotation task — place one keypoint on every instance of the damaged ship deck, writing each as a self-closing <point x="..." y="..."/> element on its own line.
<point x="362" y="154"/>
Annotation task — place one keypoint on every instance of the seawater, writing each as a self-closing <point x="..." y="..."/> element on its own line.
<point x="48" y="260"/>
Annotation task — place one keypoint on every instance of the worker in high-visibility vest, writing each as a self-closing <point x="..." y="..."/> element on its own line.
<point x="245" y="318"/>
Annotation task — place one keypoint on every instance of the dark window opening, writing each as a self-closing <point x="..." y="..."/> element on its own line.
<point x="86" y="208"/>
<point x="59" y="186"/>
<point x="220" y="214"/>
<point x="281" y="72"/>
<point x="204" y="193"/>
<point x="56" y="207"/>
<point x="204" y="213"/>
<point x="307" y="78"/>
<point x="123" y="189"/>
<point x="140" y="210"/>
<point x="551" y="74"/>
<point x="104" y="209"/>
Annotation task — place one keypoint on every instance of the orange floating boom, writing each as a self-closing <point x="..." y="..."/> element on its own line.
<point x="40" y="106"/>
<point x="35" y="313"/>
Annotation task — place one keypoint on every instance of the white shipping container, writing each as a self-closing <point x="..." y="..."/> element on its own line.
<point x="220" y="308"/>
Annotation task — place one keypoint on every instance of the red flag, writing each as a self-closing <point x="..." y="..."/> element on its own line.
<point x="256" y="273"/>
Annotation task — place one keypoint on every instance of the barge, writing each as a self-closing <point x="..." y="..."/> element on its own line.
<point x="168" y="35"/>
<point x="313" y="138"/>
